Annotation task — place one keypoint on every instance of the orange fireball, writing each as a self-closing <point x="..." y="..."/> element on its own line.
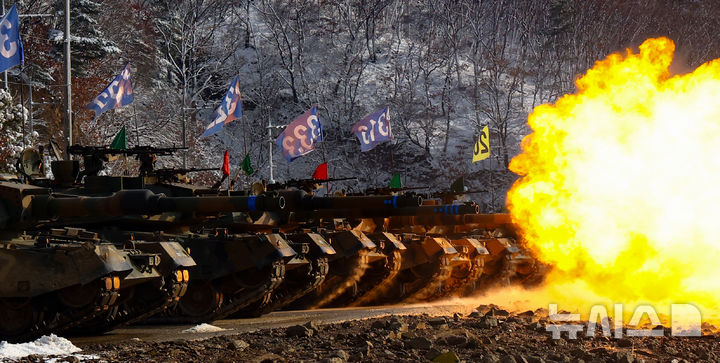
<point x="620" y="182"/>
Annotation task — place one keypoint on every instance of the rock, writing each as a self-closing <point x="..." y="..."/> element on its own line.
<point x="298" y="331"/>
<point x="624" y="343"/>
<point x="472" y="343"/>
<point x="541" y="312"/>
<point x="488" y="322"/>
<point x="497" y="312"/>
<point x="419" y="343"/>
<point x="420" y="325"/>
<point x="599" y="351"/>
<point x="367" y="348"/>
<point x="624" y="357"/>
<point x="342" y="354"/>
<point x="449" y="357"/>
<point x="399" y="326"/>
<point x="432" y="353"/>
<point x="507" y="358"/>
<point x="483" y="309"/>
<point x="72" y="359"/>
<point x="534" y="359"/>
<point x="457" y="316"/>
<point x="379" y="324"/>
<point x="269" y="358"/>
<point x="333" y="360"/>
<point x="392" y="335"/>
<point x="475" y="314"/>
<point x="456" y="340"/>
<point x="237" y="344"/>
<point x="311" y="325"/>
<point x="527" y="314"/>
<point x="439" y="321"/>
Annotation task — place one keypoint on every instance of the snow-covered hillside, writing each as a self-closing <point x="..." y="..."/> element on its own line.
<point x="445" y="69"/>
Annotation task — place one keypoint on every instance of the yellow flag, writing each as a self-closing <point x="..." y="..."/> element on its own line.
<point x="482" y="145"/>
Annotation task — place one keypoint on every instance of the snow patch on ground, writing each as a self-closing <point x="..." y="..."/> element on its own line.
<point x="203" y="328"/>
<point x="80" y="357"/>
<point x="45" y="345"/>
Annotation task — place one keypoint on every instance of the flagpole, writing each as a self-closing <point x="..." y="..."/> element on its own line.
<point x="327" y="183"/>
<point x="68" y="89"/>
<point x="270" y="147"/>
<point x="5" y="73"/>
<point x="183" y="124"/>
<point x="22" y="103"/>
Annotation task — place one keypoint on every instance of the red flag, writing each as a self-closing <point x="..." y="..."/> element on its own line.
<point x="321" y="172"/>
<point x="226" y="164"/>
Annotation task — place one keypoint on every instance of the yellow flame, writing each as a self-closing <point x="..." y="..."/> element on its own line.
<point x="620" y="185"/>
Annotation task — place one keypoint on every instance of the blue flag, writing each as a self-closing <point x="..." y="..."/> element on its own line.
<point x="118" y="93"/>
<point x="300" y="136"/>
<point x="374" y="129"/>
<point x="230" y="109"/>
<point x="11" y="49"/>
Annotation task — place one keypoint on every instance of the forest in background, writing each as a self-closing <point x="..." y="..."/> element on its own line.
<point x="445" y="69"/>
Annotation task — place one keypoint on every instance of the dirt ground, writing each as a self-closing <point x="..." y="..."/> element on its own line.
<point x="490" y="334"/>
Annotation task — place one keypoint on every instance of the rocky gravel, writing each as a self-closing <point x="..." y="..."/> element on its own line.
<point x="490" y="334"/>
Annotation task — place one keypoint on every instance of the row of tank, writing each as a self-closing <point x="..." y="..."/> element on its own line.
<point x="119" y="250"/>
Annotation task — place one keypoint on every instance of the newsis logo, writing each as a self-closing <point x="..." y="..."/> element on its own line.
<point x="684" y="318"/>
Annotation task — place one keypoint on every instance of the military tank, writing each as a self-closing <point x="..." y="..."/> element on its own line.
<point x="504" y="261"/>
<point x="233" y="271"/>
<point x="424" y="252"/>
<point x="52" y="282"/>
<point x="255" y="256"/>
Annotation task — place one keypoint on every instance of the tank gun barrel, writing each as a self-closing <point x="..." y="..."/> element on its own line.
<point x="423" y="210"/>
<point x="221" y="204"/>
<point x="477" y="220"/>
<point x="134" y="202"/>
<point x="301" y="201"/>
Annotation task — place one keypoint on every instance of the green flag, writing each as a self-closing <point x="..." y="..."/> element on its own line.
<point x="458" y="186"/>
<point x="246" y="167"/>
<point x="395" y="183"/>
<point x="119" y="142"/>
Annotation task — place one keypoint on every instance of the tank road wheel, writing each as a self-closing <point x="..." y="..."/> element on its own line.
<point x="78" y="296"/>
<point x="200" y="299"/>
<point x="430" y="279"/>
<point x="16" y="317"/>
<point x="425" y="271"/>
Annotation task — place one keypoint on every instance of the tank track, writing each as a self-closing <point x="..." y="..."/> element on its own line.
<point x="225" y="305"/>
<point x="137" y="310"/>
<point x="426" y="290"/>
<point x="50" y="315"/>
<point x="291" y="289"/>
<point x="380" y="287"/>
<point x="356" y="268"/>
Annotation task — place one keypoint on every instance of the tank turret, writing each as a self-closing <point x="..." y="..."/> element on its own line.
<point x="24" y="205"/>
